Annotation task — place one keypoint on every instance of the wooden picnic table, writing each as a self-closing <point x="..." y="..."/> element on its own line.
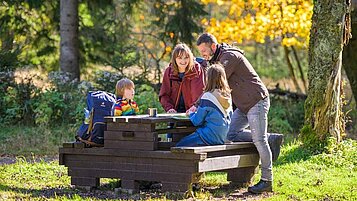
<point x="134" y="151"/>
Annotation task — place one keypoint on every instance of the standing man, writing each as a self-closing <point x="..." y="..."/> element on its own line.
<point x="251" y="98"/>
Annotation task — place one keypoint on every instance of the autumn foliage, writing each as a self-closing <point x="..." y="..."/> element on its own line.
<point x="285" y="21"/>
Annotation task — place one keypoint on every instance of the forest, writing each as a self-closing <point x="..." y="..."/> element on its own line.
<point x="52" y="53"/>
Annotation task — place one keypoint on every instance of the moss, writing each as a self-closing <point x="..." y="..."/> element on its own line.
<point x="311" y="140"/>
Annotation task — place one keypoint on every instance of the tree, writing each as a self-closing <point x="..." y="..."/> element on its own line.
<point x="28" y="34"/>
<point x="180" y="19"/>
<point x="329" y="33"/>
<point x="69" y="51"/>
<point x="285" y="21"/>
<point x="350" y="56"/>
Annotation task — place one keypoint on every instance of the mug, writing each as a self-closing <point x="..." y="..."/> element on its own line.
<point x="152" y="112"/>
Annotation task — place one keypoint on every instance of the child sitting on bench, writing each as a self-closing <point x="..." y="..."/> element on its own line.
<point x="125" y="105"/>
<point x="213" y="115"/>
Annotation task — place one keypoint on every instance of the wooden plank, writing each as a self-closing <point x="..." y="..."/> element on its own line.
<point x="149" y="167"/>
<point x="130" y="127"/>
<point x="130" y="184"/>
<point x="85" y="181"/>
<point x="61" y="159"/>
<point x="165" y="145"/>
<point x="129" y="145"/>
<point x="173" y="117"/>
<point x="228" y="162"/>
<point x="243" y="175"/>
<point x="78" y="145"/>
<point x="101" y="151"/>
<point x="137" y="136"/>
<point x="205" y="149"/>
<point x="68" y="144"/>
<point x="180" y="130"/>
<point x="137" y="160"/>
<point x="130" y="175"/>
<point x="241" y="151"/>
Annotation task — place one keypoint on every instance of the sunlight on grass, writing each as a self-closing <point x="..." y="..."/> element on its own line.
<point x="298" y="175"/>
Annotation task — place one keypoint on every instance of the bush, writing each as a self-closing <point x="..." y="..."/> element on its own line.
<point x="285" y="115"/>
<point x="17" y="98"/>
<point x="63" y="102"/>
<point x="106" y="81"/>
<point x="146" y="97"/>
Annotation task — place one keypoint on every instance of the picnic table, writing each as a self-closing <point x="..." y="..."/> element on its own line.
<point x="135" y="150"/>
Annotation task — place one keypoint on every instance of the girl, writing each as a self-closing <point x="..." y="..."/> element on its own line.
<point x="214" y="111"/>
<point x="124" y="105"/>
<point x="183" y="81"/>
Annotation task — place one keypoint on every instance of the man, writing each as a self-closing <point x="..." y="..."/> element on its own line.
<point x="251" y="98"/>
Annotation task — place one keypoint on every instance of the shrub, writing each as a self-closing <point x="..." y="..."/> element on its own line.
<point x="285" y="115"/>
<point x="17" y="98"/>
<point x="106" y="81"/>
<point x="146" y="97"/>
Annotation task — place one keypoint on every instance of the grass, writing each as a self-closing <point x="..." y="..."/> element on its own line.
<point x="298" y="173"/>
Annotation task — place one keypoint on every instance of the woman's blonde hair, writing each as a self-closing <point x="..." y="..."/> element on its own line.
<point x="179" y="50"/>
<point x="216" y="79"/>
<point x="123" y="84"/>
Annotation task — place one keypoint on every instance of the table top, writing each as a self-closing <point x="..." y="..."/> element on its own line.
<point x="144" y="118"/>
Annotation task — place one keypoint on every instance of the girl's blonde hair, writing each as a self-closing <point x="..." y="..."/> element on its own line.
<point x="123" y="84"/>
<point x="179" y="50"/>
<point x="216" y="79"/>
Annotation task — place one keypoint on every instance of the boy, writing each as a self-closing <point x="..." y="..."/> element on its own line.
<point x="124" y="105"/>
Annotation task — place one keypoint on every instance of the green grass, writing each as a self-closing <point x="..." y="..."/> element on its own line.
<point x="298" y="173"/>
<point x="26" y="141"/>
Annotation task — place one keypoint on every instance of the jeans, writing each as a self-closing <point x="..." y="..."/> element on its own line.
<point x="257" y="119"/>
<point x="192" y="140"/>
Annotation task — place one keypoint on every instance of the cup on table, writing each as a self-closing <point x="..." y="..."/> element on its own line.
<point x="152" y="112"/>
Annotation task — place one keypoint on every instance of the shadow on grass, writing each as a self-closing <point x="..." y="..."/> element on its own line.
<point x="67" y="192"/>
<point x="234" y="191"/>
<point x="103" y="192"/>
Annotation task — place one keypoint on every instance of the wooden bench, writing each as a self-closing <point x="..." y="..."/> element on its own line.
<point x="145" y="158"/>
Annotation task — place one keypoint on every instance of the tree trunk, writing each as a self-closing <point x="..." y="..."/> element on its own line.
<point x="291" y="70"/>
<point x="350" y="56"/>
<point x="69" y="52"/>
<point x="329" y="33"/>
<point x="300" y="68"/>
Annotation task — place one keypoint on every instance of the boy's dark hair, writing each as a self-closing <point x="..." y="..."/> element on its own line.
<point x="206" y="38"/>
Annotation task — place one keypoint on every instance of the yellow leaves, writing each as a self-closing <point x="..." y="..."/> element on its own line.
<point x="168" y="49"/>
<point x="286" y="20"/>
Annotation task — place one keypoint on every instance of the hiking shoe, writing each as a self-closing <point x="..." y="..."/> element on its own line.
<point x="260" y="187"/>
<point x="275" y="140"/>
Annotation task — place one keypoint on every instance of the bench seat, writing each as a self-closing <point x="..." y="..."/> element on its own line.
<point x="176" y="168"/>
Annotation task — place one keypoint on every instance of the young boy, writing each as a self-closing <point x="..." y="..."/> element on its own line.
<point x="124" y="105"/>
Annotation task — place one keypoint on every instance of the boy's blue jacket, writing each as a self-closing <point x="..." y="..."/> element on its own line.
<point x="213" y="117"/>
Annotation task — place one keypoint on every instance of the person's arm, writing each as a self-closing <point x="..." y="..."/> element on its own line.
<point x="165" y="90"/>
<point x="198" y="118"/>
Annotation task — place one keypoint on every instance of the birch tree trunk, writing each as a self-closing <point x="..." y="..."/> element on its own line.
<point x="69" y="52"/>
<point x="329" y="33"/>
